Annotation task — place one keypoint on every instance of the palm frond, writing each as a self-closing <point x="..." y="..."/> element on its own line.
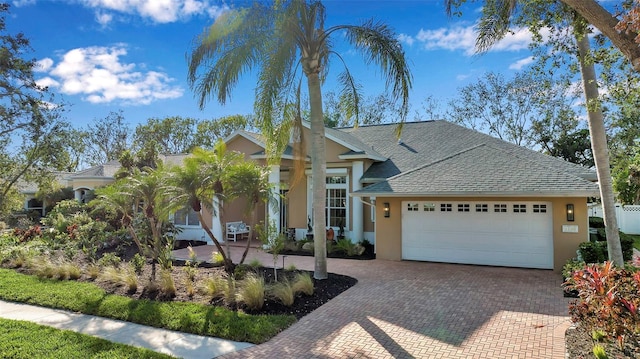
<point x="378" y="44"/>
<point x="494" y="23"/>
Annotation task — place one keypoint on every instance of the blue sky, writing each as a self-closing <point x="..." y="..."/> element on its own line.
<point x="130" y="55"/>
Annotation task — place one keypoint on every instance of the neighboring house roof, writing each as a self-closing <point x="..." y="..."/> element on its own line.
<point x="483" y="170"/>
<point x="430" y="141"/>
<point x="108" y="169"/>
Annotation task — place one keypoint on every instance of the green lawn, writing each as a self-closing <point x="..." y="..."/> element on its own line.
<point x="184" y="317"/>
<point x="20" y="339"/>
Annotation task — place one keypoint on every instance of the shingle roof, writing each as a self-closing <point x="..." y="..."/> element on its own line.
<point x="483" y="170"/>
<point x="430" y="141"/>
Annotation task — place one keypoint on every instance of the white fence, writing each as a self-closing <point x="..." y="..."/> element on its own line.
<point x="628" y="217"/>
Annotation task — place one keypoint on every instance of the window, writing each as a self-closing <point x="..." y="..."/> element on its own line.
<point x="429" y="207"/>
<point x="336" y="179"/>
<point x="500" y="208"/>
<point x="482" y="208"/>
<point x="336" y="207"/>
<point x="445" y="207"/>
<point x="186" y="217"/>
<point x="539" y="208"/>
<point x="463" y="207"/>
<point x="519" y="208"/>
<point x="412" y="207"/>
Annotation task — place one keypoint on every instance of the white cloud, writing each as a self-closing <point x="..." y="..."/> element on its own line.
<point x="518" y="65"/>
<point x="161" y="11"/>
<point x="98" y="74"/>
<point x="43" y="65"/>
<point x="18" y="3"/>
<point x="464" y="38"/>
<point x="404" y="38"/>
<point x="103" y="18"/>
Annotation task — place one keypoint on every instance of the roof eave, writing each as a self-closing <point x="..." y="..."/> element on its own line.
<point x="582" y="193"/>
<point x="362" y="157"/>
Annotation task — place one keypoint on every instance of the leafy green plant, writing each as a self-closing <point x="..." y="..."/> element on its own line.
<point x="109" y="260"/>
<point x="138" y="262"/>
<point x="345" y="245"/>
<point x="302" y="283"/>
<point x="273" y="242"/>
<point x="252" y="292"/>
<point x="599" y="352"/>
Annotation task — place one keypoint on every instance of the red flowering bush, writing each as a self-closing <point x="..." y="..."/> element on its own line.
<point x="608" y="301"/>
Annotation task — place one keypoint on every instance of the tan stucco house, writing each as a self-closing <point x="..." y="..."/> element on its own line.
<point x="440" y="193"/>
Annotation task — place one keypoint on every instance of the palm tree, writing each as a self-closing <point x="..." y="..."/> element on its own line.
<point x="251" y="181"/>
<point x="148" y="192"/>
<point x="493" y="26"/>
<point x="201" y="180"/>
<point x="279" y="39"/>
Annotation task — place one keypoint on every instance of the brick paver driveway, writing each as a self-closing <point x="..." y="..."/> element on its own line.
<point x="427" y="310"/>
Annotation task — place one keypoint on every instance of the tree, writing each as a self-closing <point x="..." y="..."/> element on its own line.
<point x="171" y="135"/>
<point x="33" y="134"/>
<point x="201" y="179"/>
<point x="371" y="111"/>
<point x="208" y="132"/>
<point x="149" y="194"/>
<point x="626" y="180"/>
<point x="513" y="110"/>
<point x="280" y="39"/>
<point x="495" y="23"/>
<point x="106" y="139"/>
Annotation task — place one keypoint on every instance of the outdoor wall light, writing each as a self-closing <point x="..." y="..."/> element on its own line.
<point x="570" y="213"/>
<point x="387" y="210"/>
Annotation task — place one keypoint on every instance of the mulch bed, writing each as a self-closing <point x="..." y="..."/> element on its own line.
<point x="580" y="346"/>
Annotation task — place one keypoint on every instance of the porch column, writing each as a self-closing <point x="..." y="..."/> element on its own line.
<point x="357" y="219"/>
<point x="274" y="181"/>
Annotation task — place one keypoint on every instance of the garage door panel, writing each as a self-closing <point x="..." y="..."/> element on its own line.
<point x="489" y="238"/>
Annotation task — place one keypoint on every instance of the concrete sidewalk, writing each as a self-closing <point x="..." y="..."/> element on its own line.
<point x="188" y="346"/>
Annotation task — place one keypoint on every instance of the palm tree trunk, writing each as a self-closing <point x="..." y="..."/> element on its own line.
<point x="252" y="226"/>
<point x="213" y="238"/>
<point x="599" y="148"/>
<point x="319" y="174"/>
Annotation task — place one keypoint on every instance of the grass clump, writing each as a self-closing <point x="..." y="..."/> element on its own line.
<point x="214" y="287"/>
<point x="186" y="317"/>
<point x="302" y="283"/>
<point x="167" y="285"/>
<point x="251" y="292"/>
<point x="283" y="292"/>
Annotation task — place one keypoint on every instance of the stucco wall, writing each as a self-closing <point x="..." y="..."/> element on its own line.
<point x="389" y="230"/>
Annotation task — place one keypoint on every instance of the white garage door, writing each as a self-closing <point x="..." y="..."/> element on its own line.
<point x="512" y="234"/>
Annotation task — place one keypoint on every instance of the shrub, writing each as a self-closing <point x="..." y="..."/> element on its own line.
<point x="608" y="301"/>
<point x="291" y="267"/>
<point x="251" y="292"/>
<point x="345" y="245"/>
<point x="593" y="252"/>
<point x="109" y="259"/>
<point x="255" y="263"/>
<point x="138" y="263"/>
<point x="596" y="222"/>
<point x="302" y="283"/>
<point x="571" y="266"/>
<point x="283" y="292"/>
